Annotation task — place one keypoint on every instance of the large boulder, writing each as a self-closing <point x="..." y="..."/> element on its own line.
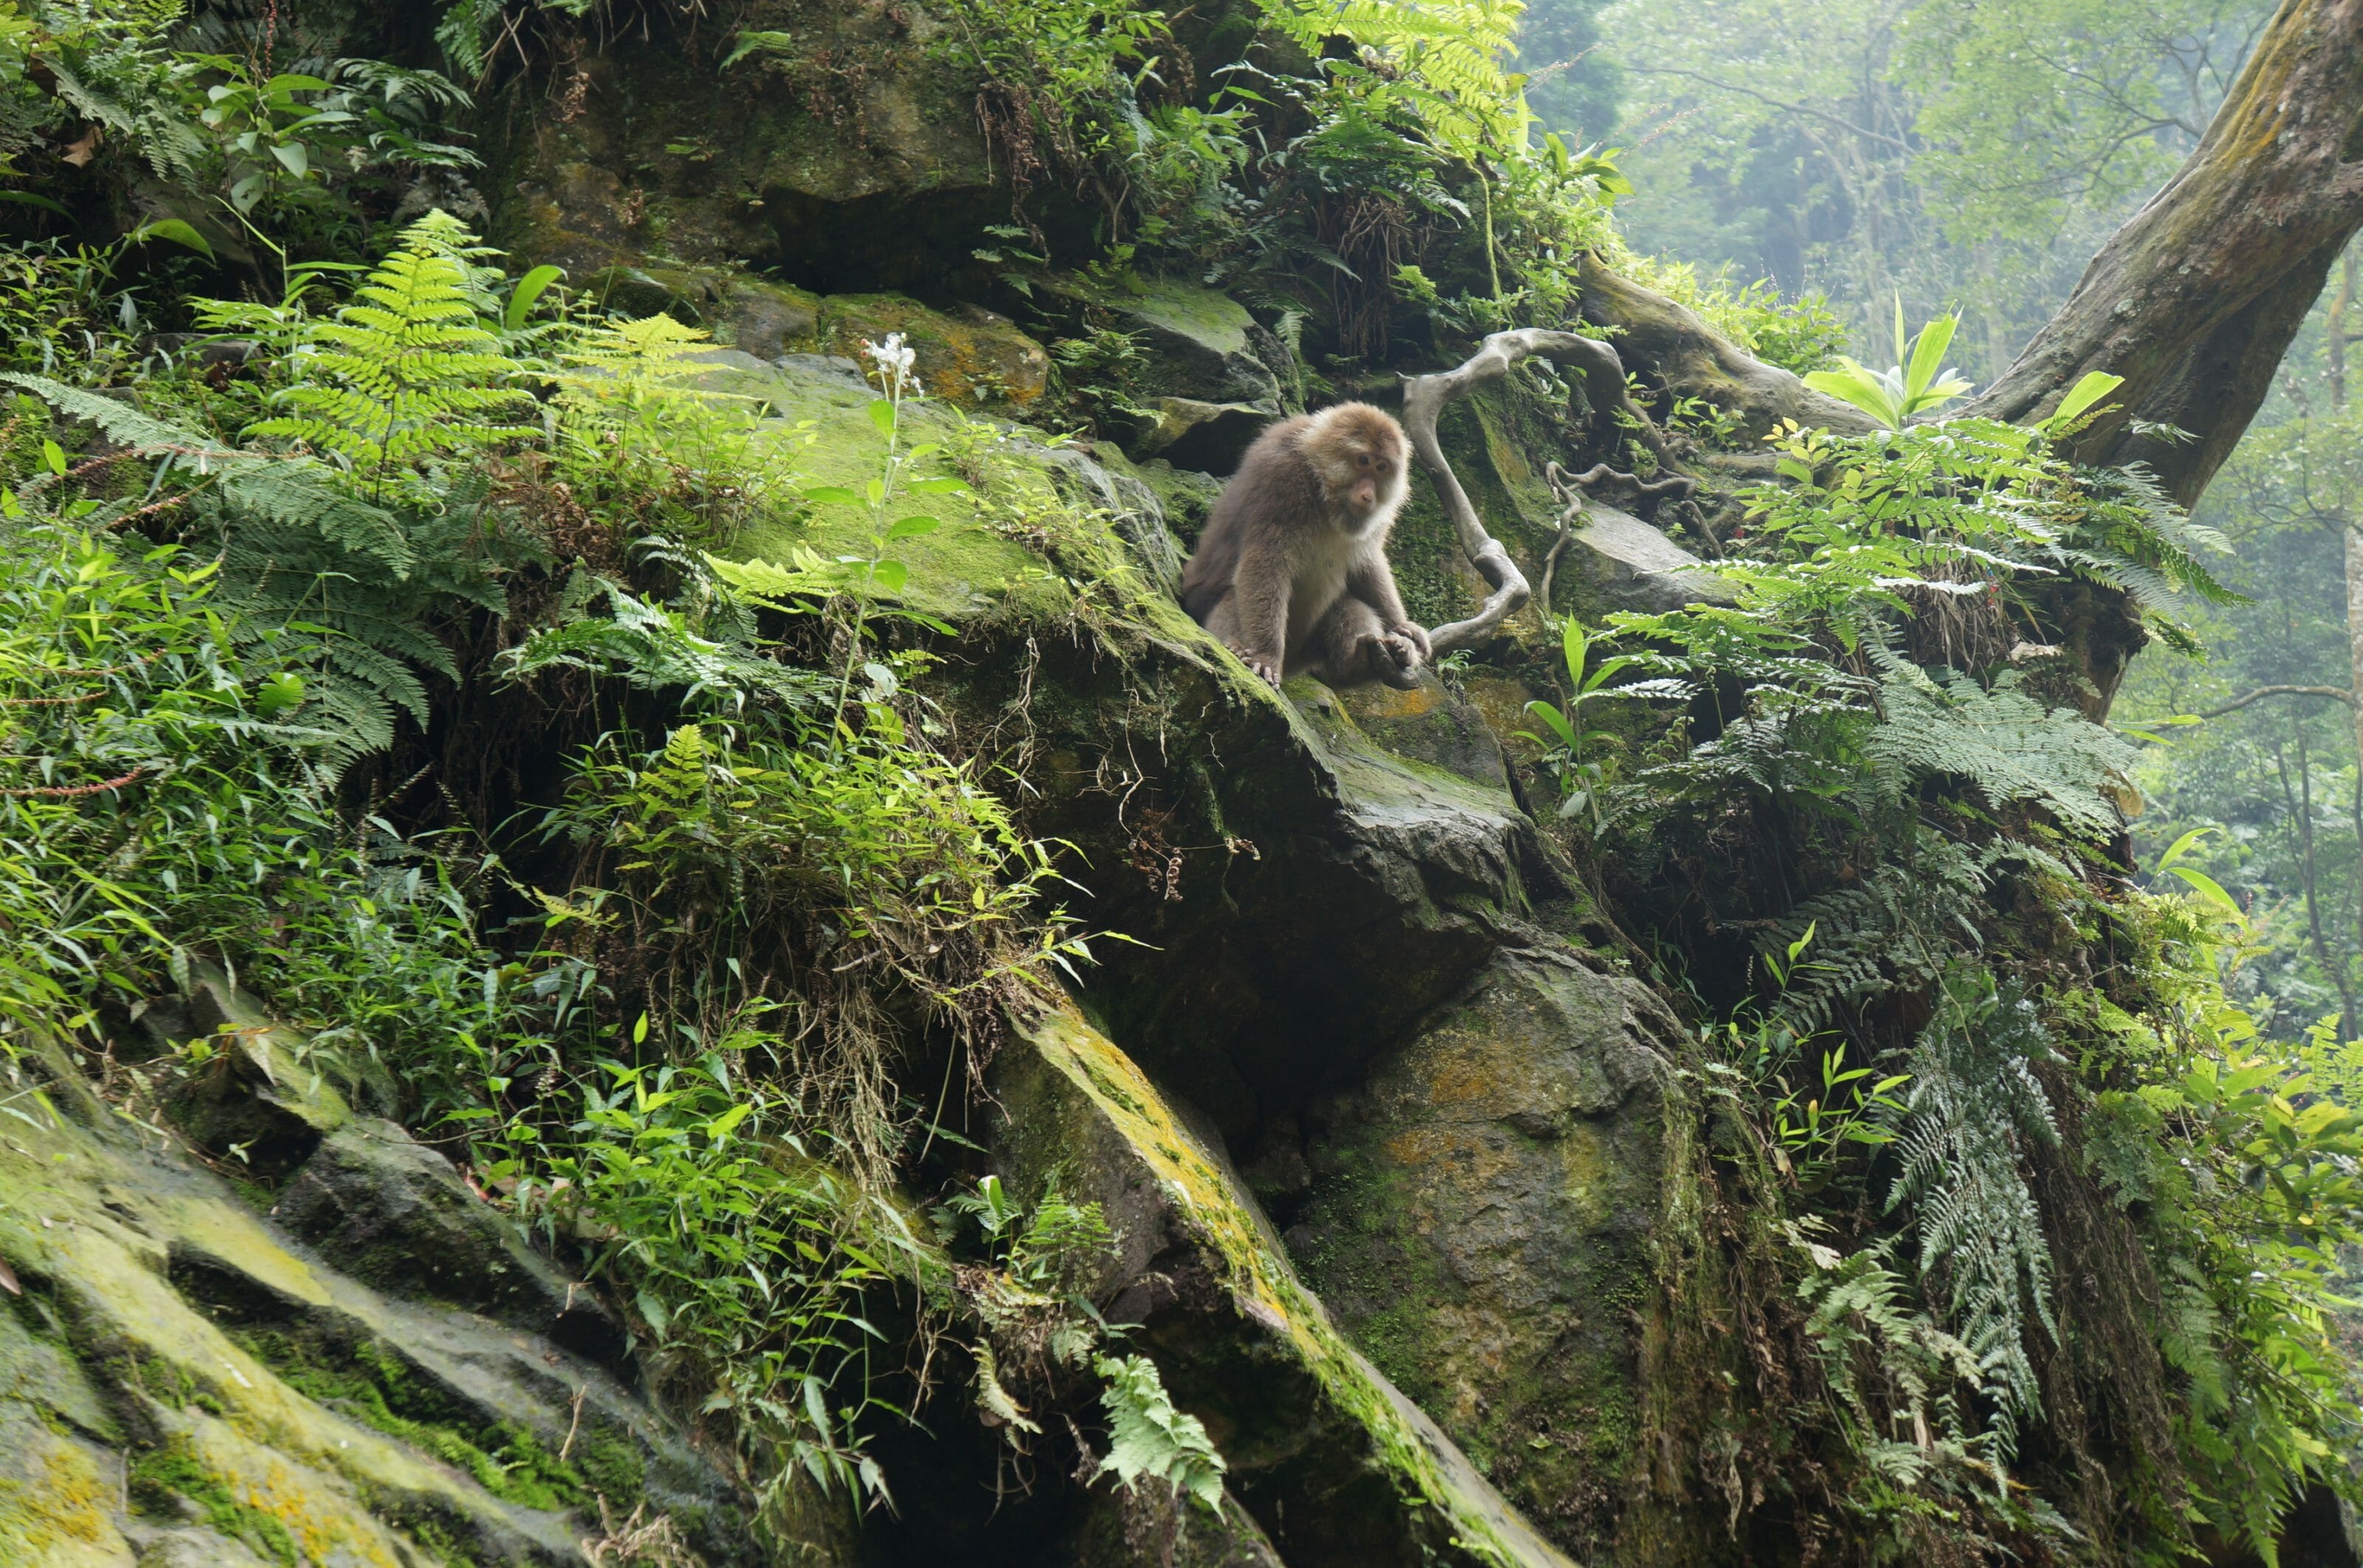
<point x="183" y="1381"/>
<point x="396" y="1216"/>
<point x="1480" y="1221"/>
<point x="1332" y="1464"/>
<point x="849" y="159"/>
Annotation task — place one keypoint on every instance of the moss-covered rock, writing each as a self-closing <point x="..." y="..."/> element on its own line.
<point x="1480" y="1218"/>
<point x="178" y="1374"/>
<point x="972" y="357"/>
<point x="1197" y="342"/>
<point x="395" y="1215"/>
<point x="760" y="316"/>
<point x="1334" y="1465"/>
<point x="848" y="159"/>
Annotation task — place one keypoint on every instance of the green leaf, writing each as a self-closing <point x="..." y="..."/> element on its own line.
<point x="1556" y="721"/>
<point x="529" y="289"/>
<point x="278" y="693"/>
<point x="2095" y="385"/>
<point x="882" y="415"/>
<point x="1859" y="386"/>
<point x="1573" y="646"/>
<point x="912" y="527"/>
<point x="759" y="43"/>
<point x="179" y="232"/>
<point x="1148" y="1437"/>
<point x="2182" y="846"/>
<point x="832" y="495"/>
<point x="291" y="157"/>
<point x="2211" y="890"/>
<point x="1927" y="354"/>
<point x="938" y="487"/>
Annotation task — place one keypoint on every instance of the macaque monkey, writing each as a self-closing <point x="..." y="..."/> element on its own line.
<point x="1292" y="572"/>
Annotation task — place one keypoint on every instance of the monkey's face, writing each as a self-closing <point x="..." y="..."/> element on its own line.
<point x="1360" y="461"/>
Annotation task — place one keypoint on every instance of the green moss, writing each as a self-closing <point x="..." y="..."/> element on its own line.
<point x="1259" y="1276"/>
<point x="160" y="1475"/>
<point x="371" y="1384"/>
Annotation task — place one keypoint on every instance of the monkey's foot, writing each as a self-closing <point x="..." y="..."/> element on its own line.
<point x="1416" y="636"/>
<point x="1394" y="660"/>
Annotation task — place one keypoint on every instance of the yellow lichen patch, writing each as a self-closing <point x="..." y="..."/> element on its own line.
<point x="975" y="361"/>
<point x="235" y="1235"/>
<point x="1372" y="703"/>
<point x="111" y="1273"/>
<point x="1192" y="1179"/>
<point x="56" y="1500"/>
<point x="323" y="1518"/>
<point x="1502" y="700"/>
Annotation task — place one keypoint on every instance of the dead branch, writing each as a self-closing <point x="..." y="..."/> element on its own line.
<point x="2335" y="694"/>
<point x="1423" y="399"/>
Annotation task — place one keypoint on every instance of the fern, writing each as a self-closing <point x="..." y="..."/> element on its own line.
<point x="325" y="583"/>
<point x="1148" y="1437"/>
<point x="2000" y="741"/>
<point x="1449" y="53"/>
<point x="406" y="374"/>
<point x="1974" y="1104"/>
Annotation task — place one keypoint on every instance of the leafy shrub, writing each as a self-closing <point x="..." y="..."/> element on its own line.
<point x="1800" y="334"/>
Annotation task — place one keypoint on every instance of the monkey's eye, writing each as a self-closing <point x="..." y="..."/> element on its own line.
<point x="1363" y="458"/>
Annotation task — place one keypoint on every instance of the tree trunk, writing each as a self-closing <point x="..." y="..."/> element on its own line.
<point x="2196" y="298"/>
<point x="2193" y="302"/>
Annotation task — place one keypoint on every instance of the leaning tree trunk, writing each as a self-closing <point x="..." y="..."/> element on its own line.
<point x="2195" y="299"/>
<point x="2193" y="302"/>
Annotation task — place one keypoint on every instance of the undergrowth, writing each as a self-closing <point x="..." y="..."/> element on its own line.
<point x="1990" y="1109"/>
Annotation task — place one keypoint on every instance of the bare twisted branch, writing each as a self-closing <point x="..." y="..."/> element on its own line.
<point x="1423" y="399"/>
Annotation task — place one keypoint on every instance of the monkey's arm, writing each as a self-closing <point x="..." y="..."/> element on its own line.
<point x="1259" y="595"/>
<point x="1372" y="581"/>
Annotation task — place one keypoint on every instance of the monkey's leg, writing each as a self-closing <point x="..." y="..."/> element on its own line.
<point x="1353" y="644"/>
<point x="1252" y="619"/>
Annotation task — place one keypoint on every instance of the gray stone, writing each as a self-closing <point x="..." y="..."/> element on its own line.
<point x="393" y="1214"/>
<point x="1150" y="1524"/>
<point x="269" y="1375"/>
<point x="1197" y="340"/>
<point x="1332" y="1462"/>
<point x="196" y="1549"/>
<point x="1629" y="565"/>
<point x="1191" y="433"/>
<point x="1480" y="1222"/>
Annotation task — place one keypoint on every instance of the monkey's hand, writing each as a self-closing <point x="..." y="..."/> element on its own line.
<point x="1416" y="636"/>
<point x="1264" y="665"/>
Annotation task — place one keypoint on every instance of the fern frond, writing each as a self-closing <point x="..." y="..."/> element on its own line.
<point x="1974" y="1104"/>
<point x="406" y="373"/>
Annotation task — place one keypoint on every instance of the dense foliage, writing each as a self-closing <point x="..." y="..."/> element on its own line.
<point x="2031" y="1181"/>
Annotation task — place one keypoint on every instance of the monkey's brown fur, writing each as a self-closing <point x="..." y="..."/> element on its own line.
<point x="1292" y="572"/>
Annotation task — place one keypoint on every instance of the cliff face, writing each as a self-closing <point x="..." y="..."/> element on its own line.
<point x="1402" y="1143"/>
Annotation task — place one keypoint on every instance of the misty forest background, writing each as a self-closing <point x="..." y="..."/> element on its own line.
<point x="1973" y="158"/>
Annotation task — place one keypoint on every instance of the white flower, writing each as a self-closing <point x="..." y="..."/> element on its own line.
<point x="894" y="358"/>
